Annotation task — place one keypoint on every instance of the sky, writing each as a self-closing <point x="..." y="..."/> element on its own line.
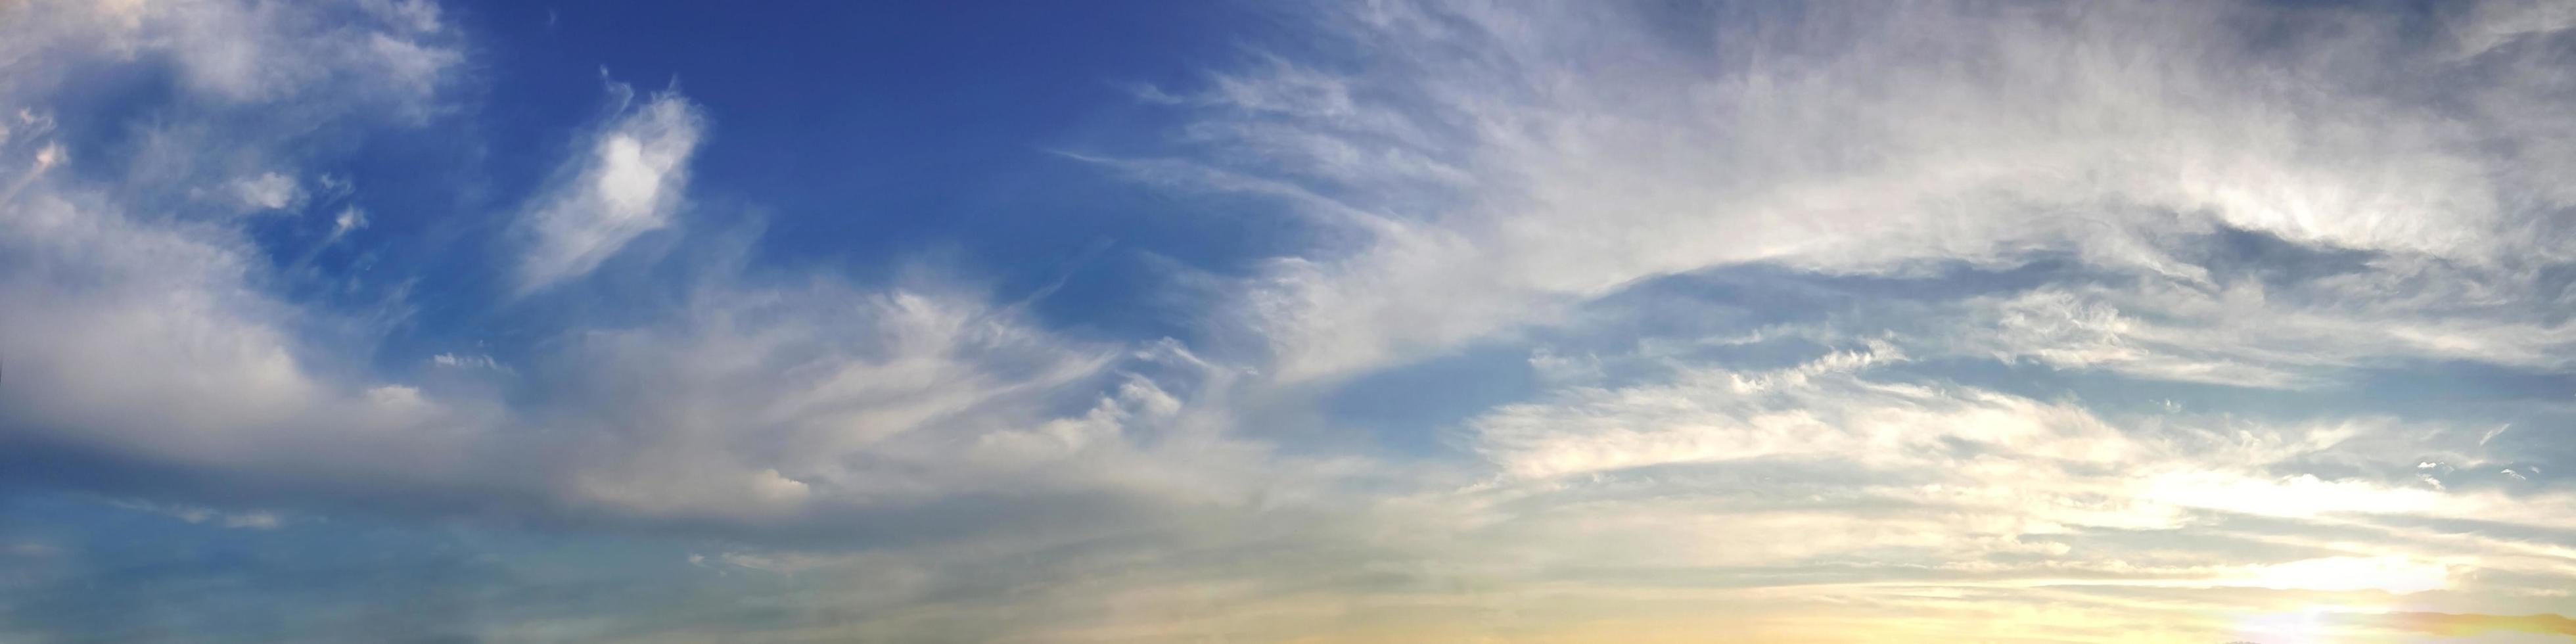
<point x="1362" y="321"/>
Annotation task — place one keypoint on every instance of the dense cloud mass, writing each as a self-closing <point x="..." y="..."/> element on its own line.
<point x="1924" y="321"/>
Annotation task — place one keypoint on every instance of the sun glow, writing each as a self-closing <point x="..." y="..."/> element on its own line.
<point x="2391" y="574"/>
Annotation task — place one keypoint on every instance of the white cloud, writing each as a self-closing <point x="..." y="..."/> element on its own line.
<point x="1498" y="165"/>
<point x="268" y="191"/>
<point x="151" y="339"/>
<point x="244" y="52"/>
<point x="626" y="179"/>
<point x="144" y="338"/>
<point x="349" y="220"/>
<point x="467" y="361"/>
<point x="1820" y="462"/>
<point x="776" y="403"/>
<point x="1814" y="410"/>
<point x="255" y="520"/>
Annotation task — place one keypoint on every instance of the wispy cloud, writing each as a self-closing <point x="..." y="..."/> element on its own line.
<point x="626" y="179"/>
<point x="1521" y="168"/>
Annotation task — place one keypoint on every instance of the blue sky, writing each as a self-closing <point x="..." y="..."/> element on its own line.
<point x="1409" y="320"/>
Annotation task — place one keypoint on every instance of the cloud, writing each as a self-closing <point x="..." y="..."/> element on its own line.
<point x="1834" y="427"/>
<point x="157" y="350"/>
<point x="1496" y="166"/>
<point x="147" y="343"/>
<point x="394" y="56"/>
<point x="127" y="309"/>
<point x="756" y="402"/>
<point x="268" y="191"/>
<point x="1844" y="469"/>
<point x="1930" y="322"/>
<point x="467" y="361"/>
<point x="257" y="520"/>
<point x="628" y="179"/>
<point x="2458" y="624"/>
<point x="348" y="221"/>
